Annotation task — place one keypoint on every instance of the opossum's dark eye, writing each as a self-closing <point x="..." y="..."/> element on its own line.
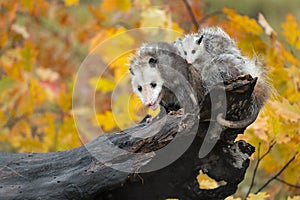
<point x="199" y="40"/>
<point x="140" y="88"/>
<point x="153" y="85"/>
<point x="184" y="52"/>
<point x="193" y="51"/>
<point x="152" y="61"/>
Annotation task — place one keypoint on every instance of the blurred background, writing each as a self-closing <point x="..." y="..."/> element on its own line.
<point x="44" y="44"/>
<point x="274" y="10"/>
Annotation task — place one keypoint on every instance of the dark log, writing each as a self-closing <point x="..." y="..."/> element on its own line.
<point x="90" y="171"/>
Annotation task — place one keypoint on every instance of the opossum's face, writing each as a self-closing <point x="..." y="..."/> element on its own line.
<point x="190" y="47"/>
<point x="147" y="83"/>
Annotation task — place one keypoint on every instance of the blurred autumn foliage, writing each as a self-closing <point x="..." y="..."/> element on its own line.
<point x="43" y="43"/>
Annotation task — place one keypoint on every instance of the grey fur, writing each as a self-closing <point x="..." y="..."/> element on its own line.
<point x="218" y="59"/>
<point x="215" y="59"/>
<point x="171" y="72"/>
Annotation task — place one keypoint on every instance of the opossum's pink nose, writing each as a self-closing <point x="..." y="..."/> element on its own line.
<point x="149" y="103"/>
<point x="189" y="62"/>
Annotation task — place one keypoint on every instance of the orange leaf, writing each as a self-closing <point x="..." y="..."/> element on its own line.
<point x="71" y="2"/>
<point x="111" y="5"/>
<point x="242" y="22"/>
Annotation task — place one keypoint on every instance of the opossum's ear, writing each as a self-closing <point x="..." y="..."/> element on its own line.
<point x="178" y="42"/>
<point x="199" y="40"/>
<point x="131" y="71"/>
<point x="152" y="61"/>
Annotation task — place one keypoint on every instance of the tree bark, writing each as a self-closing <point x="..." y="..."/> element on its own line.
<point x="86" y="173"/>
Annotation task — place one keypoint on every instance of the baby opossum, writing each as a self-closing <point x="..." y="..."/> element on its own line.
<point x="160" y="76"/>
<point x="218" y="59"/>
<point x="203" y="46"/>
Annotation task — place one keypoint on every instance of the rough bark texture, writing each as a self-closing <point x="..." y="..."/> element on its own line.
<point x="77" y="174"/>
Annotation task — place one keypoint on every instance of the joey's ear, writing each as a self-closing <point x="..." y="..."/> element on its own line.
<point x="131" y="71"/>
<point x="177" y="42"/>
<point x="152" y="61"/>
<point x="199" y="40"/>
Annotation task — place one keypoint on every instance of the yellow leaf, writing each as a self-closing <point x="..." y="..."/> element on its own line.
<point x="205" y="182"/>
<point x="119" y="66"/>
<point x="38" y="94"/>
<point x="108" y="5"/>
<point x="124" y="5"/>
<point x="242" y="22"/>
<point x="27" y="4"/>
<point x="258" y="196"/>
<point x="106" y="120"/>
<point x="291" y="30"/>
<point x="111" y="5"/>
<point x="64" y="99"/>
<point x="232" y="198"/>
<point x="176" y="27"/>
<point x="71" y="2"/>
<point x="21" y="131"/>
<point x="50" y="132"/>
<point x="68" y="135"/>
<point x="153" y="112"/>
<point x="3" y="119"/>
<point x="28" y="56"/>
<point x="120" y="71"/>
<point x="122" y="109"/>
<point x="136" y="108"/>
<point x="8" y="63"/>
<point x="287" y="55"/>
<point x="102" y="84"/>
<point x="114" y="42"/>
<point x="4" y="136"/>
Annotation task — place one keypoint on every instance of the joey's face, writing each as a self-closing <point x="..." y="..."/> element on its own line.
<point x="192" y="48"/>
<point x="147" y="84"/>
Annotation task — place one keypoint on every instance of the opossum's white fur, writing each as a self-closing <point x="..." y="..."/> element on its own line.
<point x="144" y="77"/>
<point x="188" y="47"/>
<point x="155" y="71"/>
<point x="218" y="59"/>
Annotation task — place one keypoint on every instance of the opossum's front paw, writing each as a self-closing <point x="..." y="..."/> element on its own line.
<point x="147" y="119"/>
